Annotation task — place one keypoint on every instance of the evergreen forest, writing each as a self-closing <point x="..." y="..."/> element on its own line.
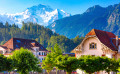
<point x="34" y="31"/>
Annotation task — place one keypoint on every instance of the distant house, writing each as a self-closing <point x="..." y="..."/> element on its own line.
<point x="16" y="43"/>
<point x="99" y="43"/>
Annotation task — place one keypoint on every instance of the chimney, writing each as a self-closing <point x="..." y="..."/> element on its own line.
<point x="117" y="39"/>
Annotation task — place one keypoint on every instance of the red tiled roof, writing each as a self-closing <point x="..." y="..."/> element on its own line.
<point x="5" y="47"/>
<point x="114" y="42"/>
<point x="9" y="44"/>
<point x="17" y="43"/>
<point x="104" y="37"/>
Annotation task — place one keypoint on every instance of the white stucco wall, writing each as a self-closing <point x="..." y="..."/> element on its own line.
<point x="88" y="51"/>
<point x="41" y="57"/>
<point x="109" y="55"/>
<point x="2" y="49"/>
<point x="42" y="53"/>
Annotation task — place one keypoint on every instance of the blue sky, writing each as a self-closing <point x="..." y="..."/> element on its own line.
<point x="70" y="6"/>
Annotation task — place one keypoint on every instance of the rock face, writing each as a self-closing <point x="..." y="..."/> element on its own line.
<point x="114" y="20"/>
<point x="41" y="14"/>
<point x="96" y="17"/>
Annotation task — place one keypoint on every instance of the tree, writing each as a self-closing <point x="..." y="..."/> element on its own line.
<point x="67" y="63"/>
<point x="24" y="26"/>
<point x="77" y="40"/>
<point x="55" y="53"/>
<point x="64" y="43"/>
<point x="5" y="63"/>
<point x="2" y="42"/>
<point x="35" y="31"/>
<point x="91" y="64"/>
<point x="50" y="59"/>
<point x="6" y="24"/>
<point x="48" y="63"/>
<point x="2" y="63"/>
<point x="113" y="65"/>
<point x="9" y="64"/>
<point x="25" y="61"/>
<point x="1" y="25"/>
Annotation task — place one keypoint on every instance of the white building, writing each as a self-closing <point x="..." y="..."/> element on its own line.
<point x="16" y="43"/>
<point x="98" y="43"/>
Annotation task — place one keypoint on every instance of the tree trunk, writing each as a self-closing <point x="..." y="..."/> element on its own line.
<point x="108" y="72"/>
<point x="48" y="73"/>
<point x="56" y="70"/>
<point x="68" y="72"/>
<point x="32" y="72"/>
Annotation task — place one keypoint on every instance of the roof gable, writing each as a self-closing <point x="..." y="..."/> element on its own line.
<point x="17" y="43"/>
<point x="104" y="37"/>
<point x="9" y="44"/>
<point x="92" y="32"/>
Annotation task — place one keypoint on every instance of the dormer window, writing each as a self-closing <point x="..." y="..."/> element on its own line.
<point x="18" y="41"/>
<point x="92" y="45"/>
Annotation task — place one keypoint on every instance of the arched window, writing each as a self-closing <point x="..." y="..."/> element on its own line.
<point x="39" y="53"/>
<point x="92" y="45"/>
<point x="42" y="53"/>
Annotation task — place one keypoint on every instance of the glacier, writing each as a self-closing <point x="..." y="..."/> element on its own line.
<point x="41" y="14"/>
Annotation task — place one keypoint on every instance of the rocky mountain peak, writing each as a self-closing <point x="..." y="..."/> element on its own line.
<point x="94" y="8"/>
<point x="41" y="14"/>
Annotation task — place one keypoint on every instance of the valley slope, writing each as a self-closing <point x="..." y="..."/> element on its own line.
<point x="96" y="17"/>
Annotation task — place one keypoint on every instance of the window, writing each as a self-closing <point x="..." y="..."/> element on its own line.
<point x="18" y="41"/>
<point x="37" y="49"/>
<point x="42" y="53"/>
<point x="39" y="53"/>
<point x="17" y="46"/>
<point x="92" y="45"/>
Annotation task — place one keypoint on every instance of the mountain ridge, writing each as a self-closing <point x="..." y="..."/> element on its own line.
<point x="41" y="14"/>
<point x="97" y="17"/>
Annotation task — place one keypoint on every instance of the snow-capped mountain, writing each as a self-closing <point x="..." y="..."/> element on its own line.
<point x="41" y="14"/>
